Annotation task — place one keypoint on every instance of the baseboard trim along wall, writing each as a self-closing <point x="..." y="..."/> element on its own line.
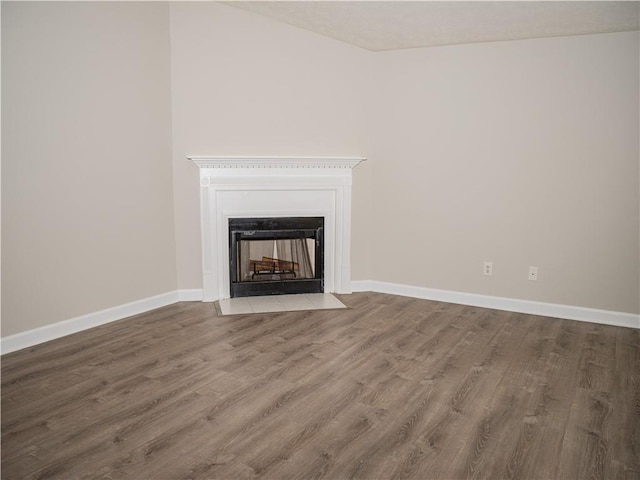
<point x="50" y="332"/>
<point x="568" y="312"/>
<point x="73" y="325"/>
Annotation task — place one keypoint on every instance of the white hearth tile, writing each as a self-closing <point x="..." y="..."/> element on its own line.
<point x="264" y="300"/>
<point x="267" y="307"/>
<point x="279" y="303"/>
<point x="298" y="302"/>
<point x="235" y="306"/>
<point x="325" y="301"/>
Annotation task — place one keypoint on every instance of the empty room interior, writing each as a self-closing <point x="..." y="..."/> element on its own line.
<point x="333" y="240"/>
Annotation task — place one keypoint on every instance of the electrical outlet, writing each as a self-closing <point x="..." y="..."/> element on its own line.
<point x="488" y="268"/>
<point x="533" y="273"/>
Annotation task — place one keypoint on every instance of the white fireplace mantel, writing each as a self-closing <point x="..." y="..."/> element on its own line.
<point x="243" y="187"/>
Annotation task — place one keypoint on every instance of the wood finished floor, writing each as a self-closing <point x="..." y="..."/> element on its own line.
<point x="390" y="388"/>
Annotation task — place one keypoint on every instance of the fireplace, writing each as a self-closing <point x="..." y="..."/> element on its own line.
<point x="274" y="187"/>
<point x="276" y="256"/>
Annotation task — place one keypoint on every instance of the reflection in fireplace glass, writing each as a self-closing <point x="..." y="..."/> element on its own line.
<point x="276" y="256"/>
<point x="287" y="259"/>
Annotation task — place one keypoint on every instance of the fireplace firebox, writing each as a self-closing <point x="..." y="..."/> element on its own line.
<point x="276" y="256"/>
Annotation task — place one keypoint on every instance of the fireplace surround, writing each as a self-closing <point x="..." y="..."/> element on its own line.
<point x="274" y="187"/>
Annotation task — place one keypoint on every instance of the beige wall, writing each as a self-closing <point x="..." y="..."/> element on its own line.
<point x="246" y="85"/>
<point x="87" y="216"/>
<point x="520" y="153"/>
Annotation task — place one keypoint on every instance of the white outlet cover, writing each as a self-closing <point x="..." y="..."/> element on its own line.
<point x="488" y="268"/>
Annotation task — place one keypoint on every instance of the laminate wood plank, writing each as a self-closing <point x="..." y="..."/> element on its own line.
<point x="267" y="456"/>
<point x="598" y="356"/>
<point x="625" y="451"/>
<point x="551" y="399"/>
<point x="264" y="456"/>
<point x="587" y="445"/>
<point x="97" y="427"/>
<point x="391" y="387"/>
<point x="450" y="432"/>
<point x="517" y="396"/>
<point x="214" y="428"/>
<point x="510" y="439"/>
<point x="312" y="461"/>
<point x="416" y="406"/>
<point x="446" y="431"/>
<point x="72" y="349"/>
<point x="491" y="437"/>
<point x="330" y="399"/>
<point x="175" y="424"/>
<point x="230" y="431"/>
<point x="38" y="380"/>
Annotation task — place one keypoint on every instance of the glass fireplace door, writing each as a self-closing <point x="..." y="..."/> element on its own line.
<point x="276" y="256"/>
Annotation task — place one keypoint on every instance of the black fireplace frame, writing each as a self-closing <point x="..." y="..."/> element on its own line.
<point x="276" y="228"/>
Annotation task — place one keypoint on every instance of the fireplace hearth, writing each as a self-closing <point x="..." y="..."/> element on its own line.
<point x="276" y="256"/>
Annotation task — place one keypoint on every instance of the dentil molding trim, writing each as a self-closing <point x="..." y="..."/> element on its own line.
<point x="275" y="162"/>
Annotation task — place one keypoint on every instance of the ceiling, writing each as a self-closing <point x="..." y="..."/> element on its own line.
<point x="392" y="25"/>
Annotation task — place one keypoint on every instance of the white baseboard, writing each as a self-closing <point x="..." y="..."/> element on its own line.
<point x="605" y="317"/>
<point x="192" y="295"/>
<point x="66" y="327"/>
<point x="84" y="322"/>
